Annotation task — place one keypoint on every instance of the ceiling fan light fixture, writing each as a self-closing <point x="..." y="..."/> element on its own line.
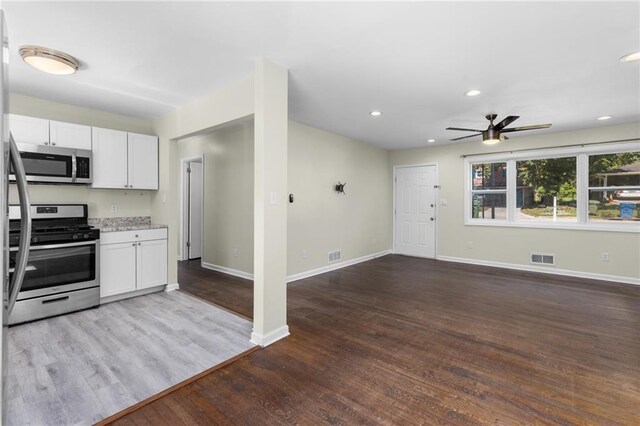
<point x="490" y="141"/>
<point x="431" y="140"/>
<point x="49" y="60"/>
<point x="631" y="57"/>
<point x="375" y="113"/>
<point x="473" y="92"/>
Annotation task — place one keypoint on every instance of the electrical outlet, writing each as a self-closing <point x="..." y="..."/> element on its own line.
<point x="305" y="254"/>
<point x="114" y="208"/>
<point x="469" y="244"/>
<point x="236" y="252"/>
<point x="604" y="256"/>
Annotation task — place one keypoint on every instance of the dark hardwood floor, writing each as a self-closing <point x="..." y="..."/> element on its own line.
<point x="401" y="340"/>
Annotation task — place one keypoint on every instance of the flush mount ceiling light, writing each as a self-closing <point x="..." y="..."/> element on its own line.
<point x="375" y="113"/>
<point x="473" y="92"/>
<point x="431" y="140"/>
<point x="604" y="117"/>
<point x="49" y="60"/>
<point x="635" y="56"/>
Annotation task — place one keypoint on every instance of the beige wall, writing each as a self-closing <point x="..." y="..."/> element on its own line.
<point x="575" y="250"/>
<point x="319" y="220"/>
<point x="130" y="203"/>
<point x="228" y="194"/>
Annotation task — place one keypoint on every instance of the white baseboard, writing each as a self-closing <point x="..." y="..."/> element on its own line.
<point x="542" y="269"/>
<point x="229" y="271"/>
<point x="172" y="287"/>
<point x="130" y="294"/>
<point x="301" y="275"/>
<point x="271" y="337"/>
<point x="334" y="266"/>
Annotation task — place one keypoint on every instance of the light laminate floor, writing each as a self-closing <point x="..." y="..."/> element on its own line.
<point x="83" y="367"/>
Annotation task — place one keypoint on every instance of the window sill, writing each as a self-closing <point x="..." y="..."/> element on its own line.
<point x="630" y="227"/>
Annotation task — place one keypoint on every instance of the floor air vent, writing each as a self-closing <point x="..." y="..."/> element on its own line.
<point x="334" y="256"/>
<point x="543" y="259"/>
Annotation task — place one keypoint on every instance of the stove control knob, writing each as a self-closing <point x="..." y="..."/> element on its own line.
<point x="75" y="236"/>
<point x="86" y="236"/>
<point x="34" y="240"/>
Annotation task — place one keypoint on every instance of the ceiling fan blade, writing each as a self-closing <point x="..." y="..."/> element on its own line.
<point x="465" y="137"/>
<point x="465" y="130"/>
<point x="504" y="123"/>
<point x="519" y="129"/>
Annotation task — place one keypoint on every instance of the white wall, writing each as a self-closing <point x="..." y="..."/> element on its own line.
<point x="130" y="203"/>
<point x="577" y="251"/>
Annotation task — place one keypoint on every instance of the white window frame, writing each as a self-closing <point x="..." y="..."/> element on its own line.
<point x="581" y="153"/>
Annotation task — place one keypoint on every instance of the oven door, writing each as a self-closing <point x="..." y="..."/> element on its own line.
<point x="57" y="268"/>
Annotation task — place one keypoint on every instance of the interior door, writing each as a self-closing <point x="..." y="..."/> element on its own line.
<point x="195" y="210"/>
<point x="415" y="211"/>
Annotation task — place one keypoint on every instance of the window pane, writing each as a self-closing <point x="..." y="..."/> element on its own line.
<point x="620" y="169"/>
<point x="546" y="189"/>
<point x="489" y="176"/>
<point x="489" y="206"/>
<point x="620" y="205"/>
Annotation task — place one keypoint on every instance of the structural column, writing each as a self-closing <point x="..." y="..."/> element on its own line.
<point x="270" y="203"/>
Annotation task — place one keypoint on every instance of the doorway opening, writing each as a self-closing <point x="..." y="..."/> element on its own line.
<point x="415" y="210"/>
<point x="192" y="207"/>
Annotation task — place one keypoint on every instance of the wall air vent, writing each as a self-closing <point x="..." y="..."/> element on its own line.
<point x="543" y="259"/>
<point x="334" y="256"/>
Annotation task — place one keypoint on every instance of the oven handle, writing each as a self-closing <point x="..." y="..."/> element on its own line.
<point x="25" y="224"/>
<point x="56" y="246"/>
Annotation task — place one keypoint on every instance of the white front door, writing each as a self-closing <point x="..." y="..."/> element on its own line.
<point x="415" y="211"/>
<point x="195" y="210"/>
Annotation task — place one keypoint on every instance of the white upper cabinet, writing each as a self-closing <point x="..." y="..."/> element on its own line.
<point x="124" y="160"/>
<point x="45" y="132"/>
<point x="69" y="135"/>
<point x="109" y="158"/>
<point x="29" y="129"/>
<point x="143" y="161"/>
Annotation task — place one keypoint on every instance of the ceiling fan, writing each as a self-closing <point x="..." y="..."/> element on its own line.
<point x="494" y="133"/>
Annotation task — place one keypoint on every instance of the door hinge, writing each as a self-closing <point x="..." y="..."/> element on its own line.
<point x="436" y="186"/>
<point x="188" y="244"/>
<point x="189" y="170"/>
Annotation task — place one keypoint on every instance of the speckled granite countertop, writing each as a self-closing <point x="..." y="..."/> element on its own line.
<point x="133" y="223"/>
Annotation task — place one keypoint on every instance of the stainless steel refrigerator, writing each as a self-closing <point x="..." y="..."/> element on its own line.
<point x="12" y="274"/>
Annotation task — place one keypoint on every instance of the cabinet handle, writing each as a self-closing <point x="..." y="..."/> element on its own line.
<point x="53" y="143"/>
<point x="136" y="235"/>
<point x="126" y="186"/>
<point x="133" y="244"/>
<point x="139" y="244"/>
<point x="46" y="143"/>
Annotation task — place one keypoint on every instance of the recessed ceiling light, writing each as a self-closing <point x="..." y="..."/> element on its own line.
<point x="431" y="140"/>
<point x="604" y="117"/>
<point x="375" y="113"/>
<point x="49" y="60"/>
<point x="635" y="56"/>
<point x="473" y="92"/>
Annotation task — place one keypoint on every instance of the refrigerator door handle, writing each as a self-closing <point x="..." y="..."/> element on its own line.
<point x="25" y="224"/>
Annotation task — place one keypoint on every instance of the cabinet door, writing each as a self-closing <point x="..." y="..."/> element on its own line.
<point x="29" y="129"/>
<point x="143" y="161"/>
<point x="117" y="268"/>
<point x="109" y="158"/>
<point x="70" y="135"/>
<point x="152" y="263"/>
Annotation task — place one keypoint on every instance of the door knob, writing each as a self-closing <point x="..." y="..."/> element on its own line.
<point x="433" y="218"/>
<point x="433" y="205"/>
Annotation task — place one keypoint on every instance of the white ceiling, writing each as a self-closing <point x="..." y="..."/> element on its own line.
<point x="549" y="62"/>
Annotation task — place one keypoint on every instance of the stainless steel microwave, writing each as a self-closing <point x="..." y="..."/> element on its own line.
<point x="49" y="164"/>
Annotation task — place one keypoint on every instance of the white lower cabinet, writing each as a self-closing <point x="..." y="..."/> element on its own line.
<point x="132" y="260"/>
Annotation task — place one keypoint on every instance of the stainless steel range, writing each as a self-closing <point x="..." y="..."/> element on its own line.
<point x="62" y="273"/>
